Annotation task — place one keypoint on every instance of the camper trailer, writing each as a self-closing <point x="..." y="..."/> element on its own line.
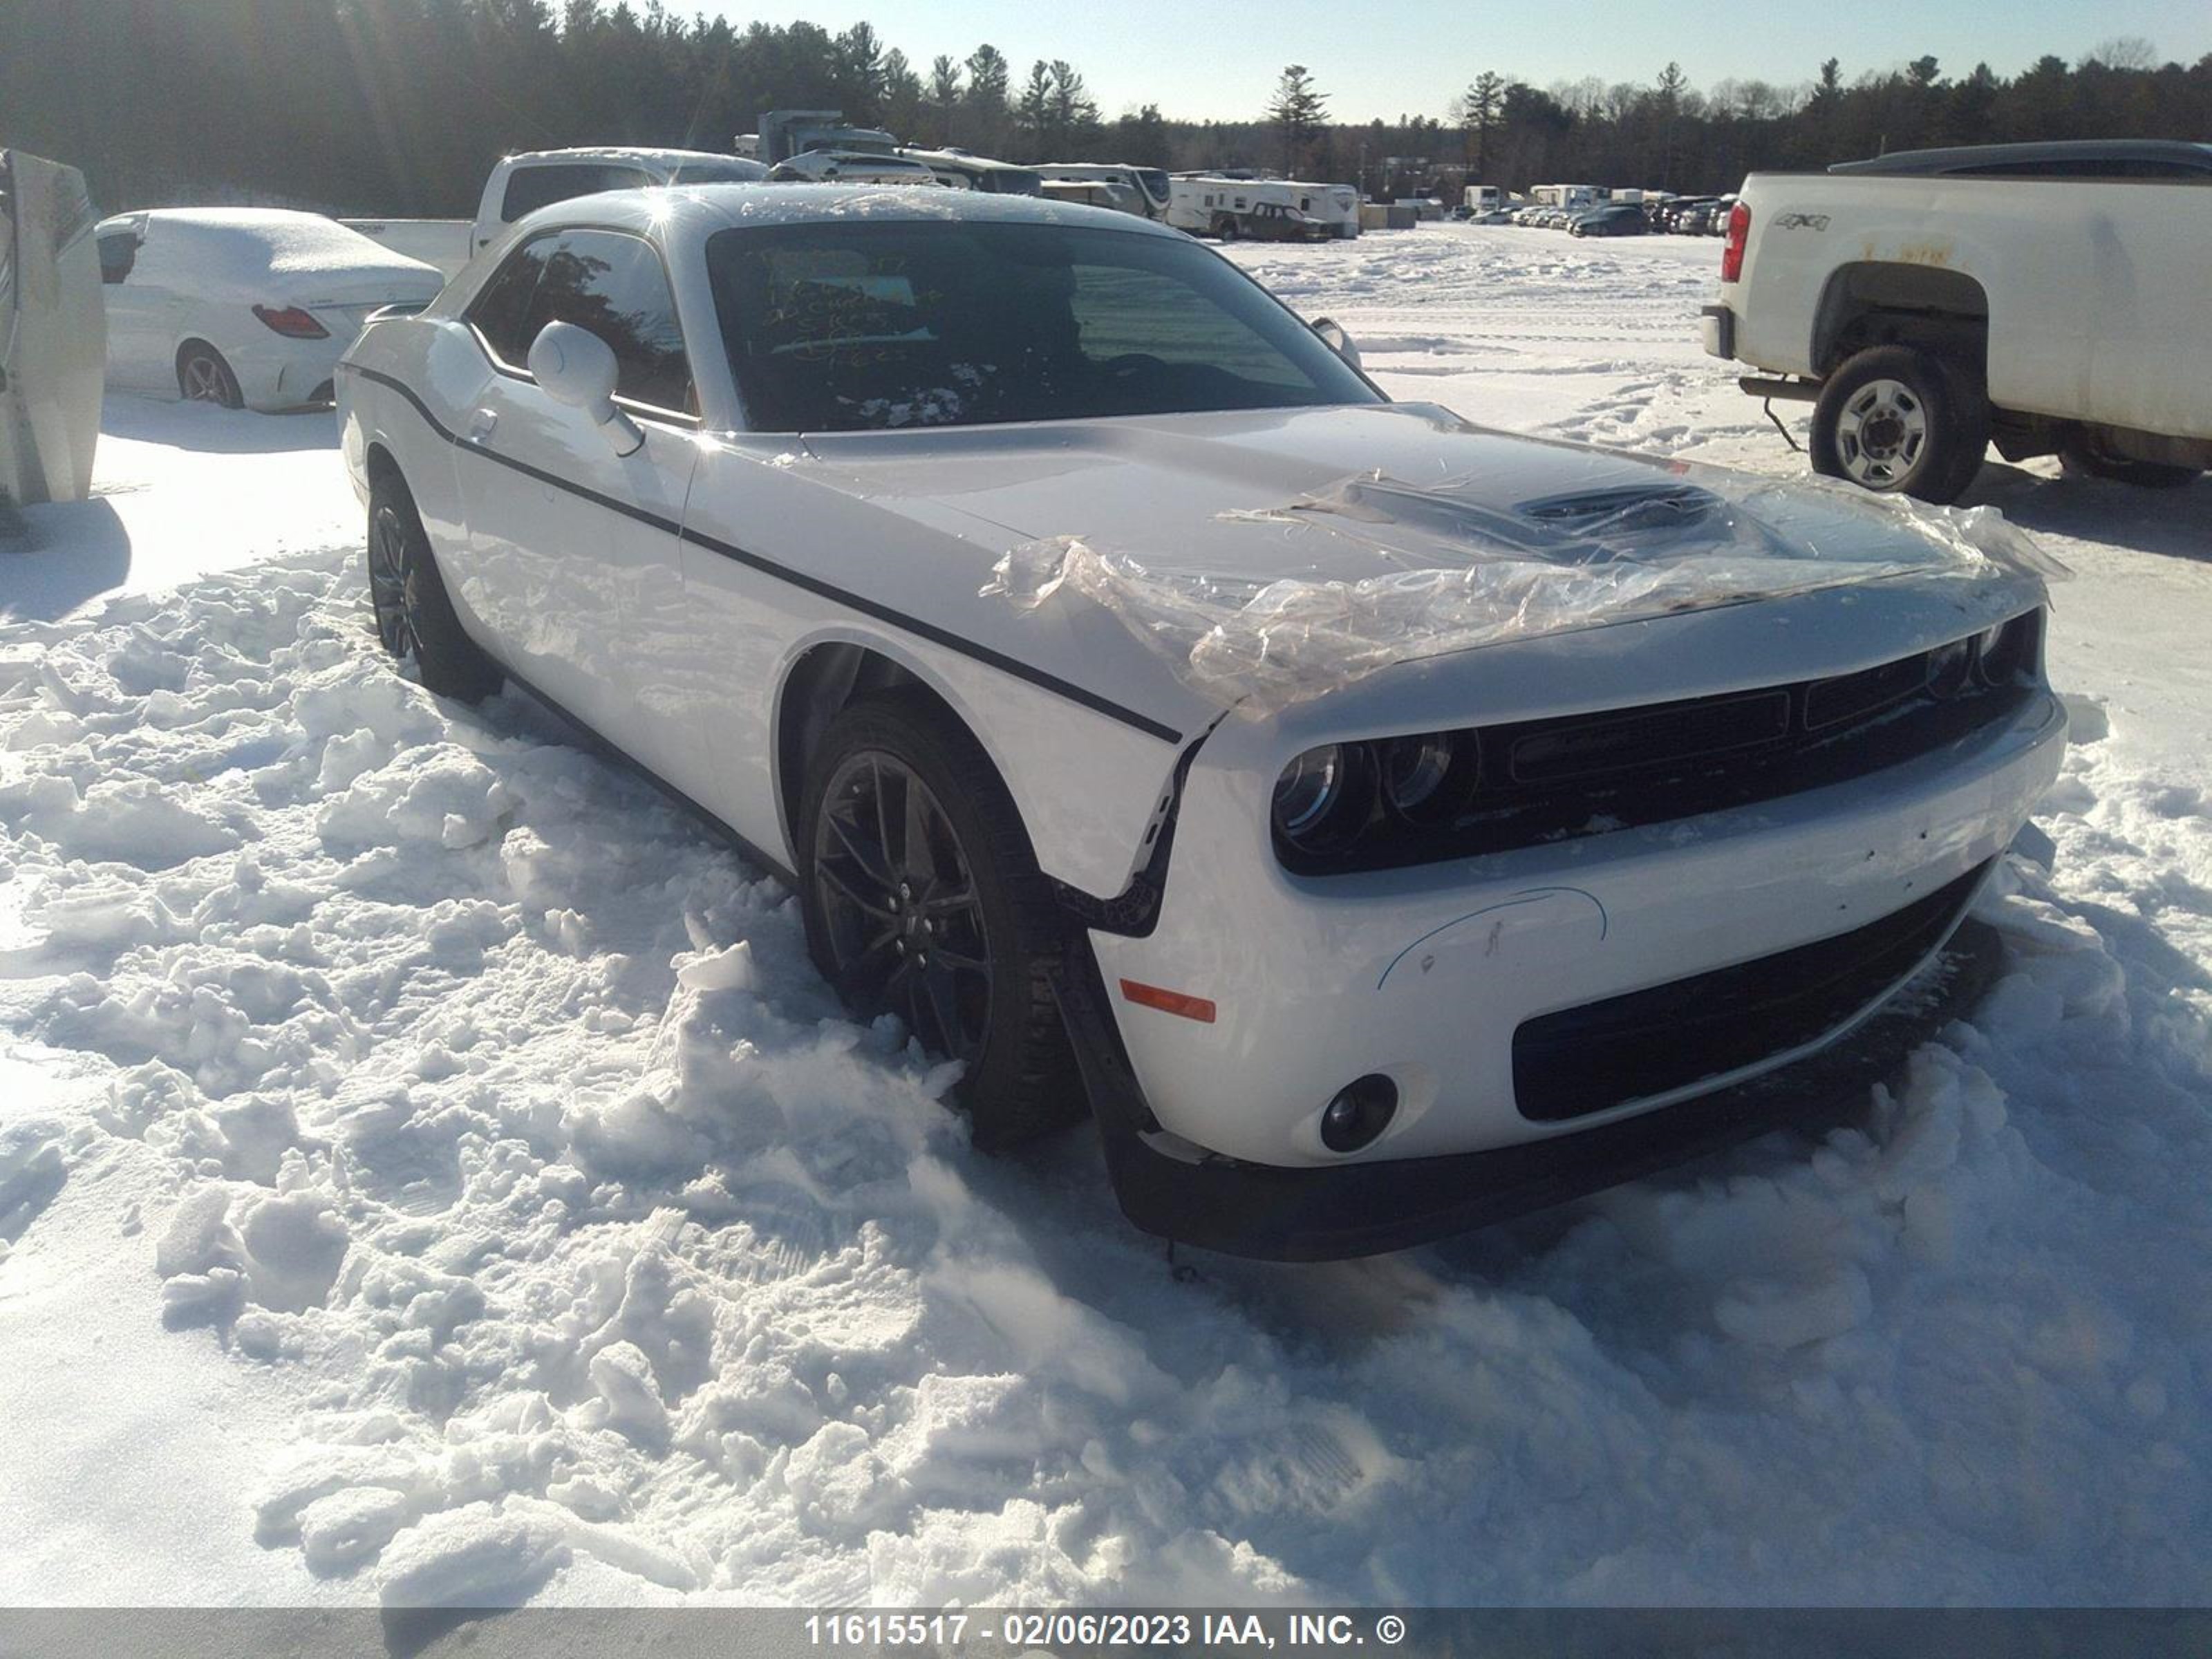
<point x="1149" y="186"/>
<point x="1485" y="198"/>
<point x="962" y="171"/>
<point x="1097" y="192"/>
<point x="1218" y="206"/>
<point x="1573" y="198"/>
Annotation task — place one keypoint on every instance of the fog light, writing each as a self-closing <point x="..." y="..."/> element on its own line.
<point x="1361" y="1111"/>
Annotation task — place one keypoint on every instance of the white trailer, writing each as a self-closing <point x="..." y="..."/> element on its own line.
<point x="1485" y="198"/>
<point x="1567" y="196"/>
<point x="1199" y="203"/>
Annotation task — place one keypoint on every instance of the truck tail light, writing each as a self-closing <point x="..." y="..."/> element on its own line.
<point x="292" y="322"/>
<point x="1739" y="232"/>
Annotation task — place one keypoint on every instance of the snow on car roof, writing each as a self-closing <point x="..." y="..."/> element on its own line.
<point x="240" y="243"/>
<point x="641" y="153"/>
<point x="706" y="208"/>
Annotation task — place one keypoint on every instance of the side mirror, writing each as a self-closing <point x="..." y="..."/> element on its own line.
<point x="574" y="366"/>
<point x="1332" y="336"/>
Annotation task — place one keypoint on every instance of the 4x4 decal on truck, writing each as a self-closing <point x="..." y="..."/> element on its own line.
<point x="1802" y="222"/>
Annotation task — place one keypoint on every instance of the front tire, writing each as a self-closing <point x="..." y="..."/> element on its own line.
<point x="414" y="616"/>
<point x="923" y="898"/>
<point x="203" y="377"/>
<point x="1900" y="421"/>
<point x="2082" y="456"/>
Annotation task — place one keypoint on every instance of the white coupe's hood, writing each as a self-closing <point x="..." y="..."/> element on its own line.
<point x="1276" y="555"/>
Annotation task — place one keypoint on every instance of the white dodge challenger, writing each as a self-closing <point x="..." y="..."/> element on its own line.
<point x="1379" y="823"/>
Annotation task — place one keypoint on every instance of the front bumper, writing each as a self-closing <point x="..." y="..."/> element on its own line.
<point x="1270" y="1212"/>
<point x="1434" y="975"/>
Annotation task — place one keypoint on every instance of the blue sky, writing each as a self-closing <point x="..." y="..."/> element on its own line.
<point x="1196" y="60"/>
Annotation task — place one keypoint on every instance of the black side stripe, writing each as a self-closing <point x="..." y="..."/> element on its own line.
<point x="867" y="607"/>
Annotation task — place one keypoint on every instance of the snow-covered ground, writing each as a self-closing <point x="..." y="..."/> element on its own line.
<point x="430" y="1171"/>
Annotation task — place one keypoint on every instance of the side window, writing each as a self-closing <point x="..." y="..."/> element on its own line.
<point x="501" y="312"/>
<point x="615" y="285"/>
<point x="530" y="188"/>
<point x="118" y="251"/>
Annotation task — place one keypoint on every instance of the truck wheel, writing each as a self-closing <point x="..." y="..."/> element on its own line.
<point x="1898" y="421"/>
<point x="1225" y="227"/>
<point x="2082" y="456"/>
<point x="923" y="898"/>
<point x="415" y="617"/>
<point x="203" y="377"/>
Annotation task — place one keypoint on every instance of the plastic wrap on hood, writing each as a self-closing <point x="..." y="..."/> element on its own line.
<point x="1453" y="570"/>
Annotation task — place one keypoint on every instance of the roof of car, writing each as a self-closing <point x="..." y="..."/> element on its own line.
<point x="620" y="153"/>
<point x="2124" y="157"/>
<point x="703" y="208"/>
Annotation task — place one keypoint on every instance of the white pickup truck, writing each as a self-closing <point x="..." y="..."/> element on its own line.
<point x="2049" y="299"/>
<point x="522" y="184"/>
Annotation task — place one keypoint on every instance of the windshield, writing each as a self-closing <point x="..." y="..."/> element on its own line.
<point x="844" y="327"/>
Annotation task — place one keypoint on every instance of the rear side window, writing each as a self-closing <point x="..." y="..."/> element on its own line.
<point x="501" y="313"/>
<point x="605" y="281"/>
<point x="530" y="188"/>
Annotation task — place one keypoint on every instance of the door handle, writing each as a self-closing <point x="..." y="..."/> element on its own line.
<point x="482" y="423"/>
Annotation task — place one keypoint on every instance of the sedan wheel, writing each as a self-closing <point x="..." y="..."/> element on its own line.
<point x="906" y="929"/>
<point x="203" y="377"/>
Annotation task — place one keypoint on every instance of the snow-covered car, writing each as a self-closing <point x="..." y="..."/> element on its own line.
<point x="248" y="307"/>
<point x="1382" y="823"/>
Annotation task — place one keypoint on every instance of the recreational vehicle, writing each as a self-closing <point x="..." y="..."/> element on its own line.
<point x="1216" y="206"/>
<point x="962" y="171"/>
<point x="1149" y="184"/>
<point x="1572" y="198"/>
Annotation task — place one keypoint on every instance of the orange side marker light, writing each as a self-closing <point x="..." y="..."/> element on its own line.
<point x="1168" y="1002"/>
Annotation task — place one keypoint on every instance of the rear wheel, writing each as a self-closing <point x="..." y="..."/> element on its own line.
<point x="2081" y="455"/>
<point x="1225" y="227"/>
<point x="1902" y="422"/>
<point x="923" y="899"/>
<point x="415" y="617"/>
<point x="203" y="377"/>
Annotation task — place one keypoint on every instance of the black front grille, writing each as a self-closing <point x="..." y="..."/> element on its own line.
<point x="1603" y="1054"/>
<point x="1553" y="779"/>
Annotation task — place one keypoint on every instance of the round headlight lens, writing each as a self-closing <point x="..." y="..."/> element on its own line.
<point x="1414" y="769"/>
<point x="1309" y="790"/>
<point x="1948" y="667"/>
<point x="2006" y="651"/>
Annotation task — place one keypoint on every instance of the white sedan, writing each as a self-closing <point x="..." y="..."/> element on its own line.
<point x="1381" y="824"/>
<point x="248" y="307"/>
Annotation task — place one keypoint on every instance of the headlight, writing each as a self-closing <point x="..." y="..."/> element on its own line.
<point x="2005" y="654"/>
<point x="1324" y="796"/>
<point x="1948" y="667"/>
<point x="1427" y="779"/>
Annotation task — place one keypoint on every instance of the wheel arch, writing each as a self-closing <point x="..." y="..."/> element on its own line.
<point x="1928" y="307"/>
<point x="1083" y="787"/>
